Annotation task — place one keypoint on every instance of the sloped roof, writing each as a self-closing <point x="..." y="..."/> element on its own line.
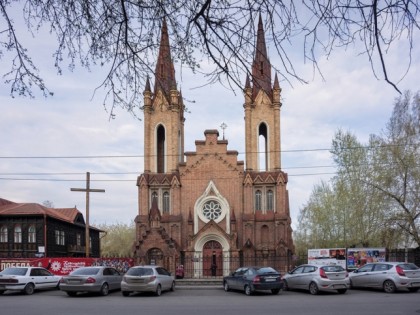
<point x="10" y="208"/>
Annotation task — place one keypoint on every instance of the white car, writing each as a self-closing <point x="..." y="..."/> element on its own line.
<point x="27" y="279"/>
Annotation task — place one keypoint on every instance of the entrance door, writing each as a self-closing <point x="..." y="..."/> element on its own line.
<point x="212" y="259"/>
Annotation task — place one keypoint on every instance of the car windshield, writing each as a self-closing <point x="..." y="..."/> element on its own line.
<point x="85" y="272"/>
<point x="14" y="271"/>
<point x="140" y="272"/>
<point x="408" y="266"/>
<point x="332" y="268"/>
<point x="264" y="270"/>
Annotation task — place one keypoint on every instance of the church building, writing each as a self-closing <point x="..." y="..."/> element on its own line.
<point x="206" y="210"/>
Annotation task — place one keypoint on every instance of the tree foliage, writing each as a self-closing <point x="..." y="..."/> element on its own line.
<point x="118" y="240"/>
<point x="374" y="200"/>
<point x="122" y="37"/>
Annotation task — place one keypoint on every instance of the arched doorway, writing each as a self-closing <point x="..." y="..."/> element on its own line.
<point x="155" y="256"/>
<point x="212" y="259"/>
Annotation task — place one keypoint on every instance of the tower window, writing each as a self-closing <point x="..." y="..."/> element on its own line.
<point x="270" y="199"/>
<point x="160" y="149"/>
<point x="258" y="200"/>
<point x="166" y="203"/>
<point x="263" y="147"/>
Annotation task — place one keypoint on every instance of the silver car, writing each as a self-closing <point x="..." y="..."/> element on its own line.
<point x="97" y="279"/>
<point x="317" y="278"/>
<point x="389" y="276"/>
<point x="150" y="278"/>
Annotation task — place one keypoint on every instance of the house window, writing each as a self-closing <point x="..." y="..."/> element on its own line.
<point x="60" y="237"/>
<point x="31" y="234"/>
<point x="3" y="234"/>
<point x="18" y="234"/>
<point x="258" y="200"/>
<point x="78" y="239"/>
<point x="166" y="202"/>
<point x="270" y="200"/>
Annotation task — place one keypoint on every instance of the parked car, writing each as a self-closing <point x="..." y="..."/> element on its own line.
<point x="27" y="279"/>
<point x="149" y="278"/>
<point x="317" y="278"/>
<point x="389" y="276"/>
<point x="97" y="279"/>
<point x="251" y="279"/>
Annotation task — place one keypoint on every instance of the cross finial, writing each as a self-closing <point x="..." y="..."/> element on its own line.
<point x="223" y="126"/>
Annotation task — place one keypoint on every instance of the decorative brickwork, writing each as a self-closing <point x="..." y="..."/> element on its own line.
<point x="204" y="208"/>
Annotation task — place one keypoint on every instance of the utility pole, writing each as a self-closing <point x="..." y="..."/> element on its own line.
<point x="87" y="190"/>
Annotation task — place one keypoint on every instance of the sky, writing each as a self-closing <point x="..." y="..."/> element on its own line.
<point x="48" y="144"/>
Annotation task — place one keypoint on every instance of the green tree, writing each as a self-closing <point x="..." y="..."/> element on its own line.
<point x="374" y="199"/>
<point x="118" y="240"/>
<point x="122" y="37"/>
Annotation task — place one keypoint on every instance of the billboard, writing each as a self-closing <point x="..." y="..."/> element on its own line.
<point x="327" y="256"/>
<point x="64" y="265"/>
<point x="357" y="257"/>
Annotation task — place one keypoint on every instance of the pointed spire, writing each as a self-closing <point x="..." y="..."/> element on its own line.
<point x="276" y="82"/>
<point x="165" y="71"/>
<point x="261" y="67"/>
<point x="154" y="213"/>
<point x="147" y="87"/>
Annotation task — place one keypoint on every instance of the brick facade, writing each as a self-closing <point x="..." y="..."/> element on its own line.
<point x="206" y="206"/>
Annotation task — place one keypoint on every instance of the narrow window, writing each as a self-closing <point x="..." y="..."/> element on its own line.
<point x="160" y="149"/>
<point x="57" y="237"/>
<point x="166" y="202"/>
<point x="262" y="68"/>
<point x="262" y="147"/>
<point x="62" y="238"/>
<point x="31" y="234"/>
<point x="78" y="239"/>
<point x="18" y="234"/>
<point x="270" y="203"/>
<point x="3" y="234"/>
<point x="258" y="200"/>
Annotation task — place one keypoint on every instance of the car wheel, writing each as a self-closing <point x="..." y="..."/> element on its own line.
<point x="71" y="293"/>
<point x="248" y="290"/>
<point x="409" y="289"/>
<point x="29" y="289"/>
<point x="125" y="293"/>
<point x="275" y="291"/>
<point x="158" y="290"/>
<point x="389" y="286"/>
<point x="285" y="286"/>
<point x="173" y="286"/>
<point x="1" y="292"/>
<point x="226" y="286"/>
<point x="313" y="288"/>
<point x="342" y="291"/>
<point x="104" y="289"/>
<point x="351" y="285"/>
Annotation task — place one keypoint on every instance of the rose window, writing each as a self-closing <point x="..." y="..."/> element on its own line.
<point x="212" y="210"/>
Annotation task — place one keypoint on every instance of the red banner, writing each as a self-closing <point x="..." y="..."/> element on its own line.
<point x="64" y="265"/>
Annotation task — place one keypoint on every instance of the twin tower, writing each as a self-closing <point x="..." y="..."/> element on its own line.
<point x="206" y="210"/>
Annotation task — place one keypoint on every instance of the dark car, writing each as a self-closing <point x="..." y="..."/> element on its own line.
<point x="251" y="279"/>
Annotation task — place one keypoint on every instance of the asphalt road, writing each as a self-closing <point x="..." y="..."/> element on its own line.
<point x="214" y="302"/>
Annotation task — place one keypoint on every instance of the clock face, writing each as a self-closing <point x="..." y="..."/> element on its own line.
<point x="212" y="210"/>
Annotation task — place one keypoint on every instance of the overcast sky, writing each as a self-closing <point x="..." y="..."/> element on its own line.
<point x="45" y="141"/>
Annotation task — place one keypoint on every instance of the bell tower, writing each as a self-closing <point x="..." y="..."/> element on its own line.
<point x="163" y="115"/>
<point x="262" y="112"/>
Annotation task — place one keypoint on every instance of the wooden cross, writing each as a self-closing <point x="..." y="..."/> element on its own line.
<point x="87" y="190"/>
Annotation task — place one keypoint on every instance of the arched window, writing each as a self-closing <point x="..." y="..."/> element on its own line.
<point x="4" y="234"/>
<point x="270" y="200"/>
<point x="166" y="203"/>
<point x="258" y="200"/>
<point x="263" y="147"/>
<point x="160" y="154"/>
<point x="154" y="197"/>
<point x="18" y="234"/>
<point x="31" y="234"/>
